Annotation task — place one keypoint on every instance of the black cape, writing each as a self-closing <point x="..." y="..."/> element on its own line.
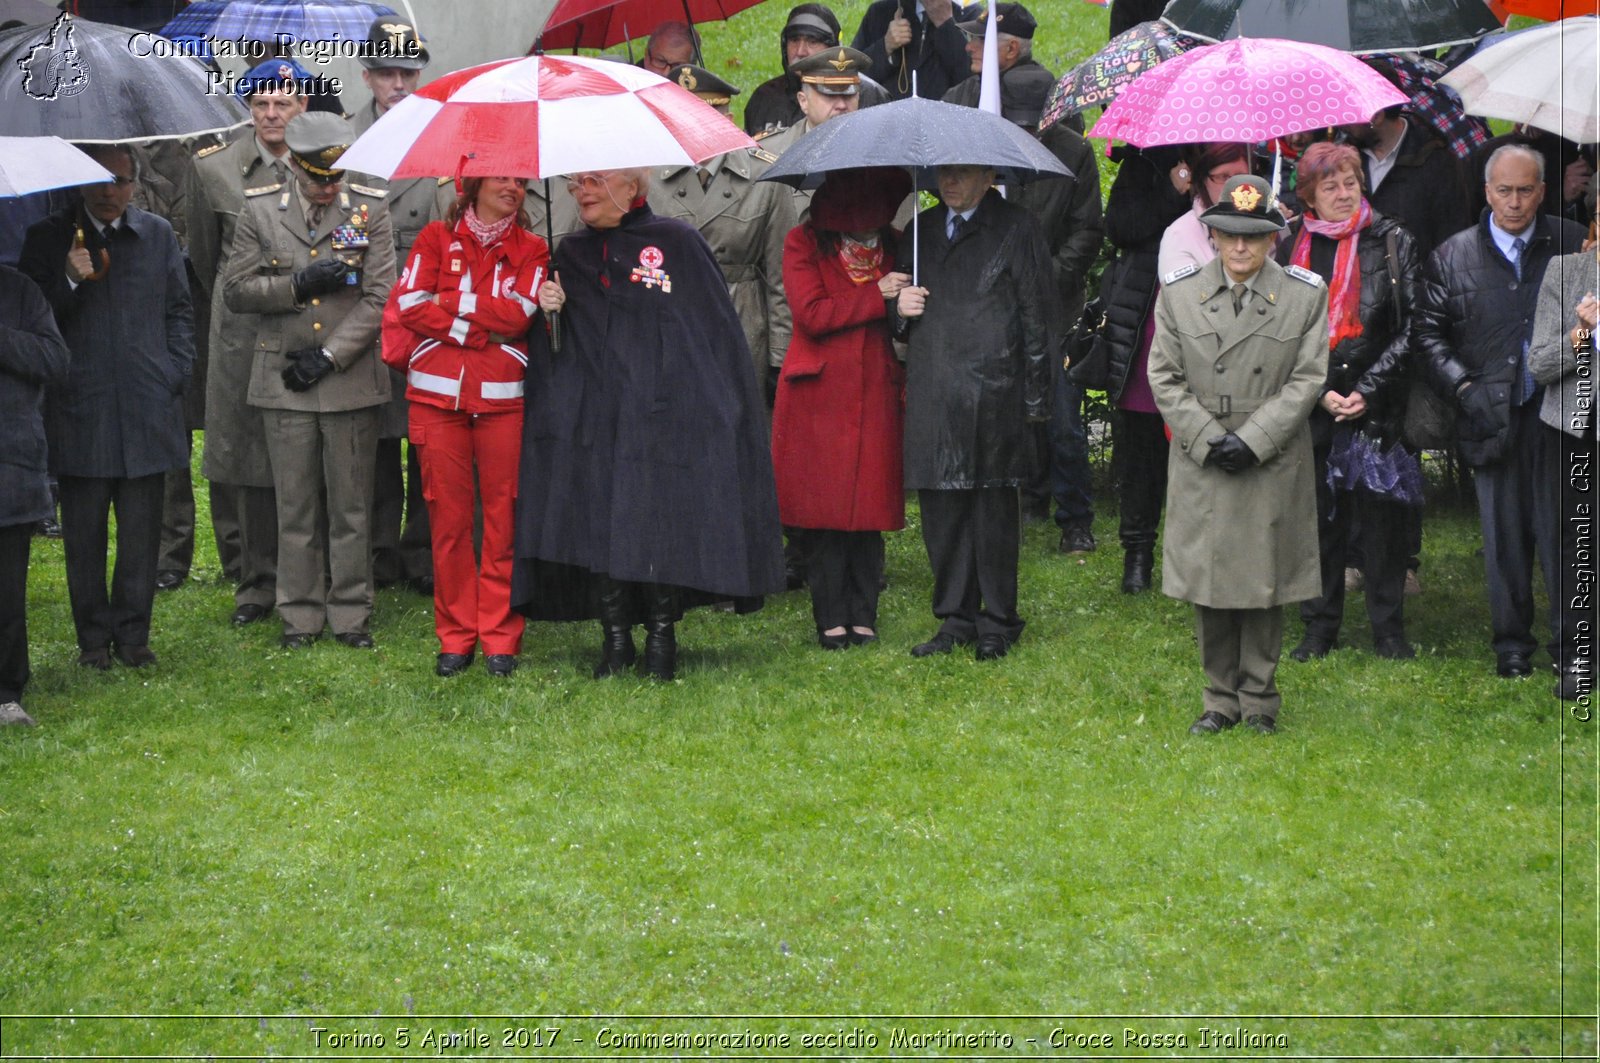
<point x="645" y="455"/>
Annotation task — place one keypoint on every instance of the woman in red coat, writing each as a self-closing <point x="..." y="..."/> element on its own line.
<point x="467" y="295"/>
<point x="837" y="423"/>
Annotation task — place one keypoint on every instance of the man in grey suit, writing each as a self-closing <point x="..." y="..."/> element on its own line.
<point x="116" y="280"/>
<point x="314" y="260"/>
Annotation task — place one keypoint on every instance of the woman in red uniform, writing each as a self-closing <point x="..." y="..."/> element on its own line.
<point x="836" y="428"/>
<point x="468" y="293"/>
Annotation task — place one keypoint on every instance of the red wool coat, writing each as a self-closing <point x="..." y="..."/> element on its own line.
<point x="836" y="429"/>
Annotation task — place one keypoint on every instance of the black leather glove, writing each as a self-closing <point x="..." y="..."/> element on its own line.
<point x="1477" y="406"/>
<point x="319" y="278"/>
<point x="306" y="368"/>
<point x="1230" y="453"/>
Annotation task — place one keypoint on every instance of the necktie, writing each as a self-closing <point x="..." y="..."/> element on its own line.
<point x="314" y="215"/>
<point x="1239" y="292"/>
<point x="1526" y="385"/>
<point x="705" y="178"/>
<point x="958" y="225"/>
<point x="1517" y="247"/>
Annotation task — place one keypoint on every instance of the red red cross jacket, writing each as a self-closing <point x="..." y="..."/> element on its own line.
<point x="468" y="310"/>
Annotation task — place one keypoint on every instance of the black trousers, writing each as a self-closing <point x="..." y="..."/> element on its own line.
<point x="177" y="520"/>
<point x="15" y="542"/>
<point x="973" y="538"/>
<point x="1139" y="449"/>
<point x="121" y="616"/>
<point x="842" y="569"/>
<point x="401" y="537"/>
<point x="1378" y="527"/>
<point x="1517" y="499"/>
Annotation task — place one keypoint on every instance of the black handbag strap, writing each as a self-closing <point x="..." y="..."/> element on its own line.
<point x="1392" y="257"/>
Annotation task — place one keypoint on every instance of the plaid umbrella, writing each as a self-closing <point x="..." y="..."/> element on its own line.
<point x="275" y="20"/>
<point x="1437" y="106"/>
<point x="1096" y="81"/>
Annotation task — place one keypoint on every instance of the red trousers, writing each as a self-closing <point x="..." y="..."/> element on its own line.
<point x="471" y="598"/>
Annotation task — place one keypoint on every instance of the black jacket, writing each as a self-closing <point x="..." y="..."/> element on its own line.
<point x="1376" y="363"/>
<point x="1141" y="205"/>
<point x="1424" y="191"/>
<point x="979" y="365"/>
<point x="32" y="357"/>
<point x="1473" y="315"/>
<point x="119" y="413"/>
<point x="939" y="57"/>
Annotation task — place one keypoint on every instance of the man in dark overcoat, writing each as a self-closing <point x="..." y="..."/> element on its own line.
<point x="978" y="371"/>
<point x="903" y="38"/>
<point x="116" y="279"/>
<point x="1237" y="365"/>
<point x="32" y="357"/>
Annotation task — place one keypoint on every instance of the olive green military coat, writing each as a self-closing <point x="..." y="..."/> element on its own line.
<point x="1245" y="540"/>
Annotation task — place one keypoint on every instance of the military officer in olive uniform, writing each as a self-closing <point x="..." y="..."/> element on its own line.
<point x="1238" y="361"/>
<point x="391" y="68"/>
<point x="745" y="220"/>
<point x="314" y="258"/>
<point x="830" y="85"/>
<point x="243" y="511"/>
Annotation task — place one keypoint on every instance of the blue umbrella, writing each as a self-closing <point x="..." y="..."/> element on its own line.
<point x="273" y="21"/>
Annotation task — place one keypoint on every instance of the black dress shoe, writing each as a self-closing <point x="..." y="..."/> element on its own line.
<point x="50" y="528"/>
<point x="1076" y="539"/>
<point x="1265" y="724"/>
<point x="861" y="638"/>
<point x="991" y="647"/>
<point x="450" y="664"/>
<point x="1137" y="565"/>
<point x="356" y="640"/>
<point x="135" y="656"/>
<point x="833" y="642"/>
<point x="1394" y="648"/>
<point x="98" y="659"/>
<point x="1210" y="723"/>
<point x="169" y="580"/>
<point x="248" y="613"/>
<point x="1513" y="664"/>
<point x="660" y="660"/>
<point x="943" y="642"/>
<point x="1312" y="647"/>
<point x="500" y="664"/>
<point x="295" y="641"/>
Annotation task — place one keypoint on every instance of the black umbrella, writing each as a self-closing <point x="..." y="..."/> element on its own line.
<point x="919" y="133"/>
<point x="87" y="81"/>
<point x="1348" y="25"/>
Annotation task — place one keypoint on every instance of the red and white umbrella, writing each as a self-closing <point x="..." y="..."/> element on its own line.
<point x="539" y="117"/>
<point x="602" y="23"/>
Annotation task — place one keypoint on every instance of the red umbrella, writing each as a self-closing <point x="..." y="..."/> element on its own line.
<point x="542" y="116"/>
<point x="602" y="23"/>
<point x="1551" y="10"/>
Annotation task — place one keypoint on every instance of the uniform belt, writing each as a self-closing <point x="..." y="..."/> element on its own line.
<point x="1223" y="405"/>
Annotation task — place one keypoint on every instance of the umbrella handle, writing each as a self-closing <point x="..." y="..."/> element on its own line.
<point x="105" y="256"/>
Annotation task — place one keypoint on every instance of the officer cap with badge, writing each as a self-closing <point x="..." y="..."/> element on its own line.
<point x="834" y="71"/>
<point x="703" y="83"/>
<point x="1015" y="20"/>
<point x="1245" y="208"/>
<point x="393" y="44"/>
<point x="315" y="140"/>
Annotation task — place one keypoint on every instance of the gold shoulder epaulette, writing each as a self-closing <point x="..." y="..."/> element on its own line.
<point x="212" y="150"/>
<point x="263" y="190"/>
<point x="765" y="133"/>
<point x="367" y="190"/>
<point x="763" y="154"/>
<point x="446" y="181"/>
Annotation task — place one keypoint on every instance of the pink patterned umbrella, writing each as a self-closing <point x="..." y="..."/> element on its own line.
<point x="542" y="116"/>
<point x="1245" y="90"/>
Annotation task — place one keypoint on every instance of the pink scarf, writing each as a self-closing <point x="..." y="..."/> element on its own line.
<point x="487" y="234"/>
<point x="1344" y="287"/>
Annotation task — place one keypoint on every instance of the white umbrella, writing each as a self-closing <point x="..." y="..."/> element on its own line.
<point x="36" y="164"/>
<point x="1547" y="77"/>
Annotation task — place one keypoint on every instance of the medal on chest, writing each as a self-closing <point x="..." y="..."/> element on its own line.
<point x="352" y="235"/>
<point x="649" y="272"/>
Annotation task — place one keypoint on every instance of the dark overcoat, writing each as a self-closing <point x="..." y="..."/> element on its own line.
<point x="645" y="454"/>
<point x="837" y="423"/>
<point x="978" y="368"/>
<point x="119" y="413"/>
<point x="32" y="357"/>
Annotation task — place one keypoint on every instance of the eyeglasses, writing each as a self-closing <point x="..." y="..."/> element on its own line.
<point x="588" y="182"/>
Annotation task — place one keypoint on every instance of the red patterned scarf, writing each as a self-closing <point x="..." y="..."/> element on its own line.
<point x="1344" y="287"/>
<point x="487" y="234"/>
<point x="863" y="262"/>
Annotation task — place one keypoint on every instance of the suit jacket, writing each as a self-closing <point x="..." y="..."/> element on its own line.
<point x="271" y="243"/>
<point x="745" y="220"/>
<point x="32" y="357"/>
<point x="119" y="413"/>
<point x="1244" y="540"/>
<point x="1569" y="397"/>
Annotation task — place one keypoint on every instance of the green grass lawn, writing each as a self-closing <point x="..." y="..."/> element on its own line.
<point x="1407" y="869"/>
